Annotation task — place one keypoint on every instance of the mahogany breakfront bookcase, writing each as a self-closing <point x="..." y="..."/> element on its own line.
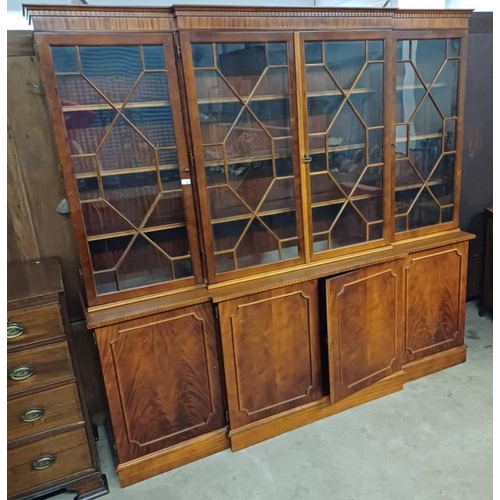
<point x="266" y="207"/>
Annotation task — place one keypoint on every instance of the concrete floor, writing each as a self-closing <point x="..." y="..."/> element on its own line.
<point x="433" y="440"/>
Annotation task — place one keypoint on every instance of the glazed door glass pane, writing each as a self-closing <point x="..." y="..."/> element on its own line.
<point x="243" y="94"/>
<point x="344" y="88"/>
<point x="426" y="116"/>
<point x="115" y="103"/>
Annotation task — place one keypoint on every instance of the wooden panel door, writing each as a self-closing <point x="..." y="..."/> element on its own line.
<point x="346" y="93"/>
<point x="435" y="300"/>
<point x="162" y="379"/>
<point x="271" y="352"/>
<point x="242" y="108"/>
<point x="364" y="317"/>
<point x="116" y="107"/>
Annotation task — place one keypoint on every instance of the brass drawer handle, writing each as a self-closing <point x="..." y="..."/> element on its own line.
<point x="14" y="330"/>
<point x="43" y="462"/>
<point x="21" y="372"/>
<point x="32" y="415"/>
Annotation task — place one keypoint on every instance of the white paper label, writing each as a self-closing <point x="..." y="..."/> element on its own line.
<point x="185" y="182"/>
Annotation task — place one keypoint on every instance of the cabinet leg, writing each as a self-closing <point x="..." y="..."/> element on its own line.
<point x="88" y="489"/>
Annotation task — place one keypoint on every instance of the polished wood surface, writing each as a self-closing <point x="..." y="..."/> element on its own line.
<point x="45" y="395"/>
<point x="253" y="332"/>
<point x="51" y="365"/>
<point x="312" y="412"/>
<point x="60" y="18"/>
<point x="162" y="379"/>
<point x="33" y="282"/>
<point x="40" y="324"/>
<point x="365" y="327"/>
<point x="270" y="342"/>
<point x="60" y="407"/>
<point x="31" y="130"/>
<point x="435" y="300"/>
<point x="434" y="363"/>
<point x="164" y="460"/>
<point x="70" y="450"/>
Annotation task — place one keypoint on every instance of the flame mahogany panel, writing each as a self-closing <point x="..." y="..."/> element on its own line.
<point x="162" y="379"/>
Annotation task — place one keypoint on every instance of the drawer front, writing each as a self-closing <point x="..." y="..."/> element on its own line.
<point x="36" y="368"/>
<point x="29" y="326"/>
<point x="51" y="459"/>
<point x="43" y="411"/>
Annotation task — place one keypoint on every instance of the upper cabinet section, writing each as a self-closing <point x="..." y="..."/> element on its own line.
<point x="119" y="108"/>
<point x="427" y="125"/>
<point x="241" y="103"/>
<point x="201" y="145"/>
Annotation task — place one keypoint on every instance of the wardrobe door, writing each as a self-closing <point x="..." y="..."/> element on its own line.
<point x="242" y="108"/>
<point x="271" y="352"/>
<point x="365" y="311"/>
<point x="116" y="108"/>
<point x="428" y="135"/>
<point x="346" y="85"/>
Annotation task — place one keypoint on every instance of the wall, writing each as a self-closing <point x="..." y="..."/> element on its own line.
<point x="477" y="168"/>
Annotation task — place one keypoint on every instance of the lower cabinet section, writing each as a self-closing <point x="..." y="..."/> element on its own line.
<point x="190" y="382"/>
<point x="270" y="342"/>
<point x="162" y="379"/>
<point x="364" y="317"/>
<point x="435" y="300"/>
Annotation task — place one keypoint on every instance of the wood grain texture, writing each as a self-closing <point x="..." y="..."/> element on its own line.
<point x="72" y="454"/>
<point x="31" y="129"/>
<point x="41" y="324"/>
<point x="67" y="18"/>
<point x="435" y="300"/>
<point x="365" y="327"/>
<point x="20" y="43"/>
<point x="86" y="353"/>
<point x="52" y="365"/>
<point x="284" y="422"/>
<point x="434" y="363"/>
<point x="31" y="283"/>
<point x="162" y="461"/>
<point x="162" y="380"/>
<point x="61" y="407"/>
<point x="270" y="342"/>
<point x="21" y="243"/>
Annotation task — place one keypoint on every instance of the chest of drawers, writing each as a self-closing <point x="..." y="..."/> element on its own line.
<point x="50" y="443"/>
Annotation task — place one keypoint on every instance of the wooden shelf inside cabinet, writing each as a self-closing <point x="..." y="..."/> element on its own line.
<point x="420" y="137"/>
<point x="116" y="105"/>
<point x="265" y="213"/>
<point x="418" y="185"/>
<point x="126" y="171"/>
<point x="118" y="234"/>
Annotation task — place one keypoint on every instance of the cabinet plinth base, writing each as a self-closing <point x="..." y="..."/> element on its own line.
<point x="156" y="463"/>
<point x="434" y="363"/>
<point x="274" y="426"/>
